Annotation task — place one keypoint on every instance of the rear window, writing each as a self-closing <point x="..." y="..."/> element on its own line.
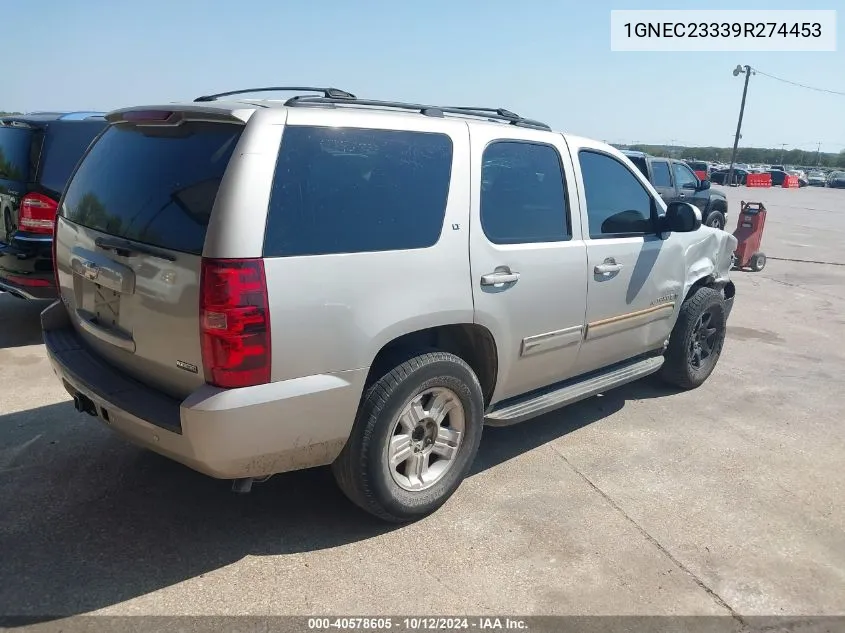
<point x="661" y="174"/>
<point x="356" y="190"/>
<point x="64" y="144"/>
<point x="154" y="185"/>
<point x="14" y="153"/>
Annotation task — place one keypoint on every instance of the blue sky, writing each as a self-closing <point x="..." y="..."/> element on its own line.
<point x="546" y="59"/>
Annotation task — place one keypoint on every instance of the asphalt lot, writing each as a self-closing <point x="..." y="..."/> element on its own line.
<point x="724" y="500"/>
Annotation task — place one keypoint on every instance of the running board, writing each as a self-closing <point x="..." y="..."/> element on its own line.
<point x="572" y="392"/>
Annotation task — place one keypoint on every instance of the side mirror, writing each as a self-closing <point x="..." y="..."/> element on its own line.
<point x="704" y="185"/>
<point x="681" y="217"/>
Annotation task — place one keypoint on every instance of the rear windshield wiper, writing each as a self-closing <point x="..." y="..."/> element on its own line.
<point x="126" y="248"/>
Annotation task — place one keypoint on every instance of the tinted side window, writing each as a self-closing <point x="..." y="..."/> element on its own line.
<point x="523" y="198"/>
<point x="641" y="164"/>
<point x="617" y="203"/>
<point x="683" y="175"/>
<point x="14" y="153"/>
<point x="355" y="190"/>
<point x="64" y="144"/>
<point x="660" y="168"/>
<point x="155" y="185"/>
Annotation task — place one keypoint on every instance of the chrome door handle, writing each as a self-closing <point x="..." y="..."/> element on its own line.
<point x="682" y="195"/>
<point x="499" y="278"/>
<point x="606" y="269"/>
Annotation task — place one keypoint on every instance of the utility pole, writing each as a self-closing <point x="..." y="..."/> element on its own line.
<point x="782" y="146"/>
<point x="819" y="154"/>
<point x="737" y="72"/>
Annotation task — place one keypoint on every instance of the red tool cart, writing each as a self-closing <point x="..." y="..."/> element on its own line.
<point x="749" y="234"/>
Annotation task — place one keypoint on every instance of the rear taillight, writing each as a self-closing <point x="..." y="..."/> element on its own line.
<point x="28" y="281"/>
<point x="38" y="213"/>
<point x="234" y="322"/>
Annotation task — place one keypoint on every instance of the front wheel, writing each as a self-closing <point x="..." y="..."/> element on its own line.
<point x="715" y="220"/>
<point x="696" y="340"/>
<point x="414" y="439"/>
<point x="758" y="262"/>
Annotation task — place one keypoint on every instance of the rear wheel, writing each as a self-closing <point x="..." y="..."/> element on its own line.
<point x="758" y="262"/>
<point x="696" y="341"/>
<point x="415" y="437"/>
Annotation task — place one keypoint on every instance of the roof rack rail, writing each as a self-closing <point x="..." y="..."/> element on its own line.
<point x="499" y="114"/>
<point x="333" y="93"/>
<point x="499" y="111"/>
<point x="494" y="114"/>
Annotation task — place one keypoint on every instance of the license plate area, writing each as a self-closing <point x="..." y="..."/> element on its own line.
<point x="106" y="306"/>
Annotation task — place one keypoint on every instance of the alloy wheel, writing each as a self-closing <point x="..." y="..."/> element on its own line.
<point x="426" y="438"/>
<point x="704" y="338"/>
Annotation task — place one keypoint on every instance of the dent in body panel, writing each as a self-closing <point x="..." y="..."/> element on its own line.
<point x="707" y="253"/>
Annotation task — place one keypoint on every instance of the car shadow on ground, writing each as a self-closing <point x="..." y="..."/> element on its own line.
<point x="20" y="321"/>
<point x="88" y="521"/>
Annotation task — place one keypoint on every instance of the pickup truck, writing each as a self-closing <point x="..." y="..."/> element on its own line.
<point x="675" y="181"/>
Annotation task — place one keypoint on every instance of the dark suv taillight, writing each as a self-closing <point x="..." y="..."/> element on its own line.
<point x="234" y="322"/>
<point x="37" y="213"/>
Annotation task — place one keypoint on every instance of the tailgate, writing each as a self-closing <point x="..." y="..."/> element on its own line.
<point x="129" y="242"/>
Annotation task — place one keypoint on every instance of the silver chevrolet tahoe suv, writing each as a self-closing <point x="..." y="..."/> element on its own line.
<point x="254" y="286"/>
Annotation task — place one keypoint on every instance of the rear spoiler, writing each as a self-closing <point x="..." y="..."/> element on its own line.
<point x="175" y="114"/>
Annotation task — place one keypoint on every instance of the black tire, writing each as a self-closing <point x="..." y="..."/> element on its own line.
<point x="758" y="262"/>
<point x="680" y="367"/>
<point x="362" y="470"/>
<point x="715" y="219"/>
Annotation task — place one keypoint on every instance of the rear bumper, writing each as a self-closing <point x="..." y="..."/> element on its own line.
<point x="26" y="268"/>
<point x="225" y="433"/>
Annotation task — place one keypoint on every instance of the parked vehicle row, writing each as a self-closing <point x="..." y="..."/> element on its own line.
<point x="717" y="173"/>
<point x="740" y="177"/>
<point x="246" y="286"/>
<point x="37" y="155"/>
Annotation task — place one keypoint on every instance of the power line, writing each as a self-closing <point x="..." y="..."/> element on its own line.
<point x="795" y="83"/>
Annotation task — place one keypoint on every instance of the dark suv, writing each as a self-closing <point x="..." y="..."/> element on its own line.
<point x="38" y="152"/>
